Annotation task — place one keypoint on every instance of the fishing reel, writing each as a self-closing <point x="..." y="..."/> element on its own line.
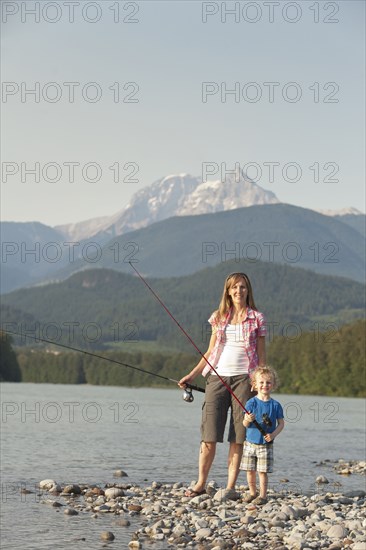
<point x="266" y="420"/>
<point x="188" y="395"/>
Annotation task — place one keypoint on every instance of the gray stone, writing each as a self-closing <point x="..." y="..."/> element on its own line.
<point x="70" y="512"/>
<point x="289" y="511"/>
<point x="47" y="484"/>
<point x="321" y="479"/>
<point x="203" y="534"/>
<point x="72" y="489"/>
<point x="179" y="530"/>
<point x="247" y="520"/>
<point x="103" y="508"/>
<point x="113" y="492"/>
<point x="123" y="523"/>
<point x="336" y="532"/>
<point x="119" y="473"/>
<point x="295" y="540"/>
<point x="355" y="494"/>
<point x="201" y="524"/>
<point x="198" y="499"/>
<point x="107" y="535"/>
<point x="223" y="495"/>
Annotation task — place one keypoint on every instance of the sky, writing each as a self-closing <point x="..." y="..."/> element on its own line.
<point x="100" y="99"/>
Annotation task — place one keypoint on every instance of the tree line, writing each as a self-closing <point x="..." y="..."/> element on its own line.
<point x="330" y="363"/>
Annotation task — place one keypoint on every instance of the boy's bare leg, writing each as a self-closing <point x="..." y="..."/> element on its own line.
<point x="263" y="483"/>
<point x="234" y="459"/>
<point x="252" y="478"/>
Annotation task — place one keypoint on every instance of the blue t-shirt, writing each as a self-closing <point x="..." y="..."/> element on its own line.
<point x="271" y="408"/>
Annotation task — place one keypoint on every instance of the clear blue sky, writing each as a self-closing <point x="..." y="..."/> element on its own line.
<point x="169" y="51"/>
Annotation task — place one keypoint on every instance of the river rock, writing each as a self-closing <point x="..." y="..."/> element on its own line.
<point x="47" y="484"/>
<point x="70" y="512"/>
<point x="291" y="521"/>
<point x="119" y="473"/>
<point x="321" y="479"/>
<point x="355" y="494"/>
<point x="107" y="535"/>
<point x="336" y="532"/>
<point x="134" y="507"/>
<point x="56" y="504"/>
<point x="202" y="534"/>
<point x="113" y="492"/>
<point x="71" y="489"/>
<point x="55" y="489"/>
<point x="179" y="530"/>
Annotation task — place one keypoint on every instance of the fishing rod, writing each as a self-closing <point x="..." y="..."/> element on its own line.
<point x="187" y="394"/>
<point x="256" y="424"/>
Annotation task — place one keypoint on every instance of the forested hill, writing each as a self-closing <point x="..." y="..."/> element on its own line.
<point x="104" y="308"/>
<point x="331" y="363"/>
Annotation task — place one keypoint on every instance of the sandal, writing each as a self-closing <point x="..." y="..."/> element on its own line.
<point x="249" y="498"/>
<point x="191" y="493"/>
<point x="259" y="501"/>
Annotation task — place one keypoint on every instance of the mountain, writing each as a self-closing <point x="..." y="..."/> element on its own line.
<point x="174" y="195"/>
<point x="358" y="222"/>
<point x="29" y="251"/>
<point x="274" y="233"/>
<point x="263" y="228"/>
<point x="103" y="307"/>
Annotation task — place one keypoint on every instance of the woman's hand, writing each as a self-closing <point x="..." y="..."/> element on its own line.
<point x="185" y="380"/>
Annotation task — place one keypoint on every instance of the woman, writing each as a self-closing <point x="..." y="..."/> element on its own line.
<point x="236" y="348"/>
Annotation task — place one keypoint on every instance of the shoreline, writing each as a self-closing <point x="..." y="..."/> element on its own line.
<point x="217" y="520"/>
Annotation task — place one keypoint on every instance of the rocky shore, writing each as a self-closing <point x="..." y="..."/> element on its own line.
<point x="217" y="520"/>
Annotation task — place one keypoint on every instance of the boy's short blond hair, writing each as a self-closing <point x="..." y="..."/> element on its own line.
<point x="265" y="371"/>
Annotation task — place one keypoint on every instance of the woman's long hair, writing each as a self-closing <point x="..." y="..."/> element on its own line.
<point x="226" y="301"/>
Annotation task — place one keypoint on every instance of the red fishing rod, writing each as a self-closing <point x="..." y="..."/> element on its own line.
<point x="257" y="425"/>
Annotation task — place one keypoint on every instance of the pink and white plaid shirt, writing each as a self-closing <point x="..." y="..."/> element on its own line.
<point x="254" y="325"/>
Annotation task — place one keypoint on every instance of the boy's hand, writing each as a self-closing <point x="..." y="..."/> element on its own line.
<point x="249" y="417"/>
<point x="269" y="438"/>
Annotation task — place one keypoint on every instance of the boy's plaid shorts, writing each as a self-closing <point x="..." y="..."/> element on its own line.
<point x="257" y="457"/>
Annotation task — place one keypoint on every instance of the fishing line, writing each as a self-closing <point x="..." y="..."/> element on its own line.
<point x="257" y="425"/>
<point x="187" y="396"/>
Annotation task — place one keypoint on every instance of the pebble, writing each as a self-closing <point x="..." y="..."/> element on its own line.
<point x="107" y="535"/>
<point x="321" y="479"/>
<point x="165" y="518"/>
<point x="119" y="473"/>
<point x="72" y="489"/>
<point x="113" y="492"/>
<point x="71" y="512"/>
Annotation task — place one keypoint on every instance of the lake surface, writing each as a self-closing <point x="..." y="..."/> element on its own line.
<point x="82" y="434"/>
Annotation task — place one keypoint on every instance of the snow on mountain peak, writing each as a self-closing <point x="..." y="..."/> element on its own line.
<point x="343" y="212"/>
<point x="181" y="195"/>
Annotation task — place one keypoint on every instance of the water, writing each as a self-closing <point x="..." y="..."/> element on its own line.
<point x="82" y="434"/>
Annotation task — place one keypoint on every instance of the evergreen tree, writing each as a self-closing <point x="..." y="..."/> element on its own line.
<point x="9" y="367"/>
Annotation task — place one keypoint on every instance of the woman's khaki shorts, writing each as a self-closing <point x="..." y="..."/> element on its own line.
<point x="218" y="401"/>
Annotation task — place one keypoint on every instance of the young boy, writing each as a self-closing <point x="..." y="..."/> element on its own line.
<point x="258" y="450"/>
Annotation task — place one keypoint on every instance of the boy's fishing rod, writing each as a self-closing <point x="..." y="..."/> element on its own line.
<point x="187" y="394"/>
<point x="257" y="425"/>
